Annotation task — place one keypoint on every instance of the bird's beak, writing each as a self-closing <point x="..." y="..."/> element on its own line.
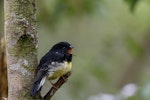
<point x="71" y="47"/>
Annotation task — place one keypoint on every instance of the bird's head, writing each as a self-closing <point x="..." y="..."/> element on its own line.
<point x="63" y="46"/>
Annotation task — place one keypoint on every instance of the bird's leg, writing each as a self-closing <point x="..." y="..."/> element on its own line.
<point x="53" y="84"/>
<point x="65" y="80"/>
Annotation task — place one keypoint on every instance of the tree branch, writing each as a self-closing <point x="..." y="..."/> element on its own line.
<point x="56" y="86"/>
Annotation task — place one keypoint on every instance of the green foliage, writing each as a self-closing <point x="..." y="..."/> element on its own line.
<point x="99" y="73"/>
<point x="74" y="7"/>
<point x="134" y="47"/>
<point x="132" y="4"/>
<point x="110" y="48"/>
<point x="70" y="8"/>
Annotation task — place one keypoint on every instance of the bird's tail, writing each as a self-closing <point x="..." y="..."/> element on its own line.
<point x="37" y="86"/>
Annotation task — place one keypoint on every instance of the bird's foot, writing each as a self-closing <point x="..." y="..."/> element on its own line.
<point x="65" y="80"/>
<point x="53" y="85"/>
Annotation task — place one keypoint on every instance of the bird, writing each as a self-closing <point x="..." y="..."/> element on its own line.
<point x="54" y="64"/>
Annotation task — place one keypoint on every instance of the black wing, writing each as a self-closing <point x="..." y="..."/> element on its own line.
<point x="43" y="68"/>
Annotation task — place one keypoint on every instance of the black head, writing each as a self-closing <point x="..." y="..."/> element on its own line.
<point x="61" y="45"/>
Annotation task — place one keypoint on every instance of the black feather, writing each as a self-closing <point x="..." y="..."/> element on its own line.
<point x="58" y="53"/>
<point x="36" y="88"/>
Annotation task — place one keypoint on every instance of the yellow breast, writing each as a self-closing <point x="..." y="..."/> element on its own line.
<point x="61" y="70"/>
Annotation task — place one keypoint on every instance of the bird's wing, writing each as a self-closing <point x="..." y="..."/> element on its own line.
<point x="41" y="73"/>
<point x="47" y="63"/>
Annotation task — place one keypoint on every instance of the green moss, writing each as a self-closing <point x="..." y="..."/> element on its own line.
<point x="29" y="68"/>
<point x="25" y="44"/>
<point x="26" y="94"/>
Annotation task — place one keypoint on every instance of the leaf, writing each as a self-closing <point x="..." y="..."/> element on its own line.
<point x="132" y="4"/>
<point x="134" y="47"/>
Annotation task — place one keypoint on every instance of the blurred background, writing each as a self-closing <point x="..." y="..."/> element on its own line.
<point x="111" y="38"/>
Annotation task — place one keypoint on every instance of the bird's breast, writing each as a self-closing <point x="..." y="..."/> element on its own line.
<point x="60" y="70"/>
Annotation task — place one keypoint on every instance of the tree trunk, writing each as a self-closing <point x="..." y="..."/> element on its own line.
<point x="3" y="67"/>
<point x="21" y="47"/>
<point x="3" y="71"/>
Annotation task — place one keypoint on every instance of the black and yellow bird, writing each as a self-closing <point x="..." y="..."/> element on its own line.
<point x="56" y="63"/>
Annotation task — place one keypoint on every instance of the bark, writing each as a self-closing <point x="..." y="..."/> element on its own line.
<point x="21" y="47"/>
